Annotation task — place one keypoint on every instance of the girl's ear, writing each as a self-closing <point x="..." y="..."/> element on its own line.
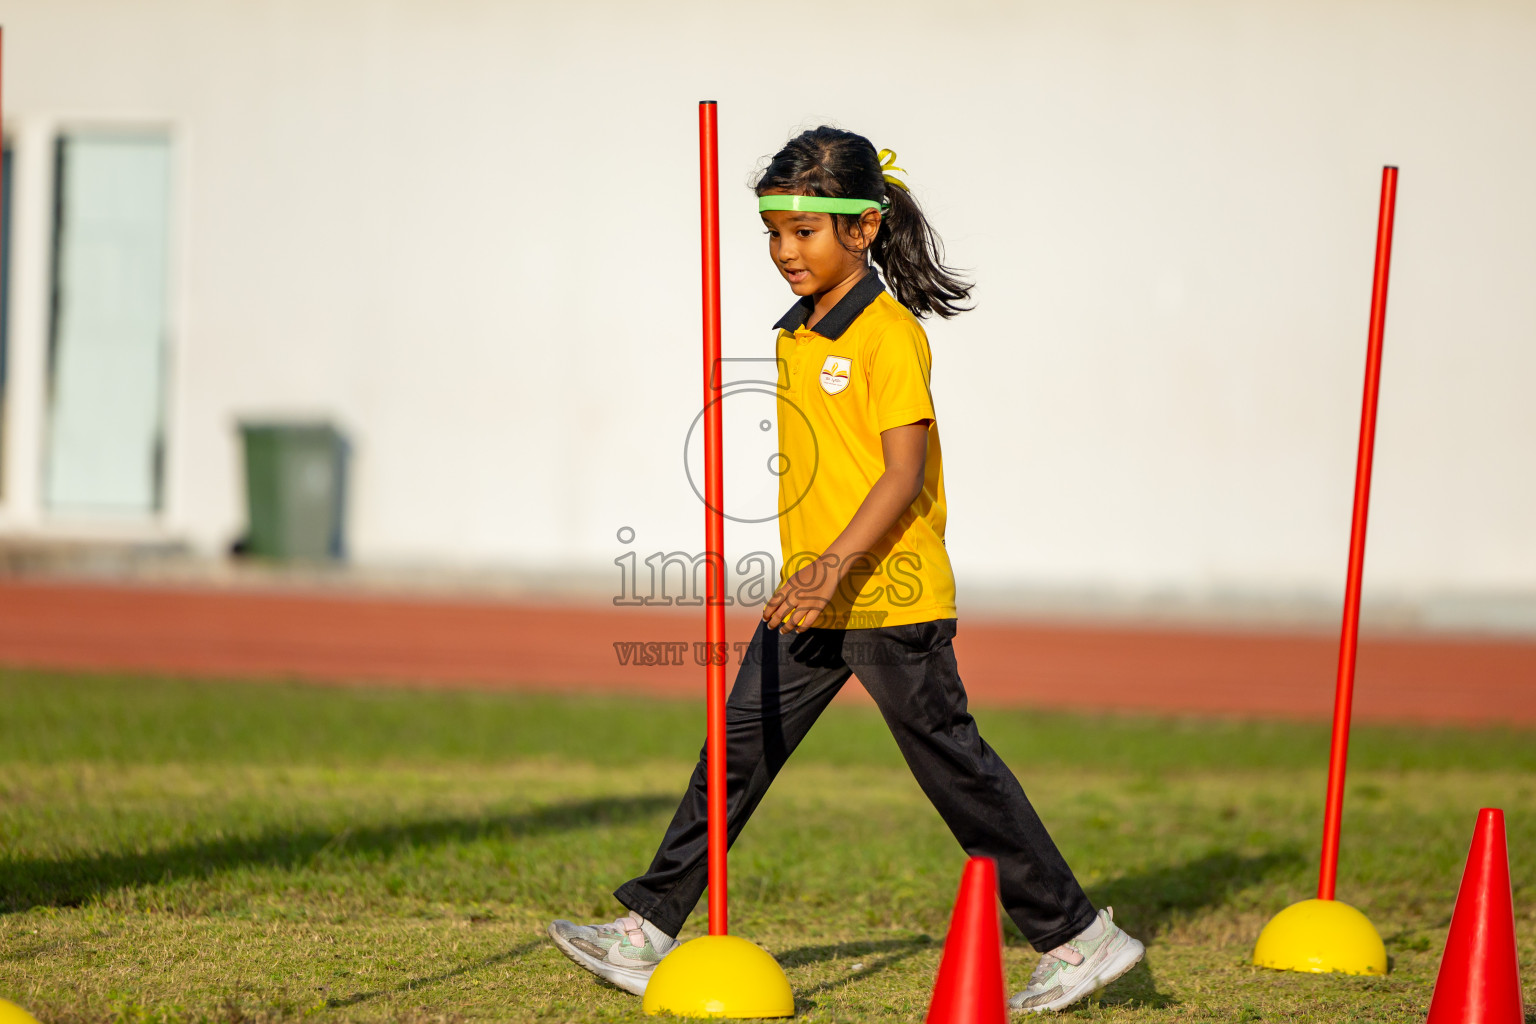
<point x="869" y="226"/>
<point x="866" y="229"/>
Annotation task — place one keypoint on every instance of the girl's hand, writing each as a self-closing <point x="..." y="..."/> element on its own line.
<point x="799" y="602"/>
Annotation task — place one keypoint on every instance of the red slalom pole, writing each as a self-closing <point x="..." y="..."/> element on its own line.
<point x="714" y="520"/>
<point x="1338" y="754"/>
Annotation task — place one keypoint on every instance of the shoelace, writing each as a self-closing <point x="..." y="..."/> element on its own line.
<point x="630" y="927"/>
<point x="1044" y="970"/>
<point x="1052" y="962"/>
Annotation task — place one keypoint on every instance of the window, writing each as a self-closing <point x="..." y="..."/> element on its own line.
<point x="107" y="346"/>
<point x="5" y="294"/>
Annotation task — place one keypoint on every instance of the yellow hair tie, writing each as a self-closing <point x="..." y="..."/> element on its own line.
<point x="888" y="163"/>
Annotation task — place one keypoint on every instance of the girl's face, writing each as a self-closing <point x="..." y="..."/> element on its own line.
<point x="806" y="249"/>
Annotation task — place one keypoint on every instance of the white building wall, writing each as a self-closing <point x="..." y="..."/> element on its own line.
<point x="468" y="231"/>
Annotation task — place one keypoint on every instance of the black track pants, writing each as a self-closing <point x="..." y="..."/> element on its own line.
<point x="784" y="683"/>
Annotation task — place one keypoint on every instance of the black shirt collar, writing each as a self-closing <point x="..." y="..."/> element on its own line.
<point x="840" y="316"/>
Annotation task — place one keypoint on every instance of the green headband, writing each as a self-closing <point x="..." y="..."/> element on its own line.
<point x="817" y="204"/>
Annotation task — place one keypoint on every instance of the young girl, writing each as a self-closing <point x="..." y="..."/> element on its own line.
<point x="868" y="589"/>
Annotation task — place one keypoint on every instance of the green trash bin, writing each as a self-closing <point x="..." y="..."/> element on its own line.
<point x="296" y="488"/>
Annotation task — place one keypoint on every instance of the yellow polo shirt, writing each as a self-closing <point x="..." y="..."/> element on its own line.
<point x="865" y="368"/>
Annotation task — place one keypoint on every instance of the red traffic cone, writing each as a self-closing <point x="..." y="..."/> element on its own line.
<point x="970" y="985"/>
<point x="1479" y="980"/>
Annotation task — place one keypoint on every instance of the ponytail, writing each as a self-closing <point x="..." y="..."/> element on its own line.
<point x="912" y="258"/>
<point x="838" y="164"/>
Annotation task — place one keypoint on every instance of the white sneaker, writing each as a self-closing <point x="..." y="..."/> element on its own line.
<point x="1079" y="967"/>
<point x="623" y="952"/>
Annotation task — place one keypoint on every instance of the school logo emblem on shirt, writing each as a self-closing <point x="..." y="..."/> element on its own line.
<point x="834" y="374"/>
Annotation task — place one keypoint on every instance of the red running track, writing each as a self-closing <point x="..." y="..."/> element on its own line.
<point x="357" y="638"/>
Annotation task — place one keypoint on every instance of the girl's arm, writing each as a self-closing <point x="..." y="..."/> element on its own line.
<point x="799" y="602"/>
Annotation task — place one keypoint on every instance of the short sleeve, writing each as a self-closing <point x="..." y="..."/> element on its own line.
<point x="898" y="365"/>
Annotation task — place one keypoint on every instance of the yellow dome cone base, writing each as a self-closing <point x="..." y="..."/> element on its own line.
<point x="719" y="976"/>
<point x="1321" y="936"/>
<point x="10" y="1013"/>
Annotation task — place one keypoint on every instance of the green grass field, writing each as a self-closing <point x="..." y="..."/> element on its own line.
<point x="177" y="851"/>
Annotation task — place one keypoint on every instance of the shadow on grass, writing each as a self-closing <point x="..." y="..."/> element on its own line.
<point x="1147" y="902"/>
<point x="876" y="956"/>
<point x="1138" y="987"/>
<point x="27" y="882"/>
<point x="515" y="953"/>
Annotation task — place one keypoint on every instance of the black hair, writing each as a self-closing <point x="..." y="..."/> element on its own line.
<point x="839" y="164"/>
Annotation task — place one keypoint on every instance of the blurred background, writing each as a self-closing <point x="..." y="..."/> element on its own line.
<point x="452" y="248"/>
